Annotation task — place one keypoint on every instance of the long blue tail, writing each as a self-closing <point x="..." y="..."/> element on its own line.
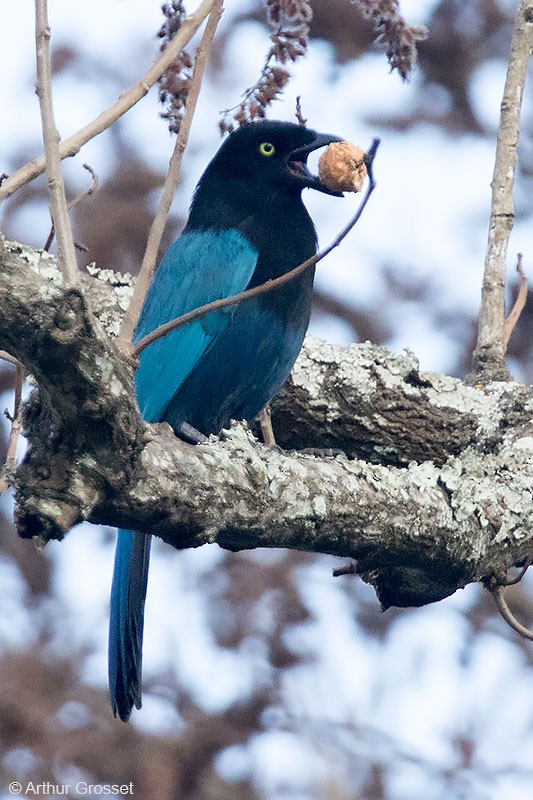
<point x="128" y="593"/>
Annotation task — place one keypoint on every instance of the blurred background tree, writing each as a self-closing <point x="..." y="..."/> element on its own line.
<point x="265" y="677"/>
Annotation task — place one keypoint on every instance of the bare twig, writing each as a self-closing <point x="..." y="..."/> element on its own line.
<point x="299" y="113"/>
<point x="270" y="285"/>
<point x="490" y="347"/>
<point x="15" y="429"/>
<point x="171" y="181"/>
<point x="7" y="357"/>
<point x="519" y="304"/>
<point x="56" y="187"/>
<point x="80" y="196"/>
<point x="523" y="569"/>
<point x="501" y="604"/>
<point x="72" y="145"/>
<point x="86" y="192"/>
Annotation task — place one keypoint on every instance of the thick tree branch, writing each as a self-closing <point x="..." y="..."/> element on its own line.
<point x="437" y="492"/>
<point x="489" y="355"/>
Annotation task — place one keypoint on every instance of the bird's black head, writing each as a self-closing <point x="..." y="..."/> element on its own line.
<point x="271" y="153"/>
<point x="258" y="166"/>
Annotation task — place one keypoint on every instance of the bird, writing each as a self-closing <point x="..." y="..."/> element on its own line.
<point x="247" y="224"/>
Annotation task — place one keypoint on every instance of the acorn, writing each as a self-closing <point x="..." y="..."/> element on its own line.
<point x="341" y="167"/>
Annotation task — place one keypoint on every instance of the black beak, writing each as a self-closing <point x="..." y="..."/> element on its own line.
<point x="297" y="163"/>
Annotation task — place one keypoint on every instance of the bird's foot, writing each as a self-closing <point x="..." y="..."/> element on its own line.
<point x="265" y="421"/>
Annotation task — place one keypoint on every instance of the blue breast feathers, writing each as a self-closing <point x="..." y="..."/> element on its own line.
<point x="199" y="267"/>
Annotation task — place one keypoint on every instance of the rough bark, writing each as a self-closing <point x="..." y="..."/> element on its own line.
<point x="433" y="491"/>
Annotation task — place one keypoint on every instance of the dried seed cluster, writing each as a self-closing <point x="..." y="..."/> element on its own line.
<point x="175" y="81"/>
<point x="291" y="20"/>
<point x="398" y="37"/>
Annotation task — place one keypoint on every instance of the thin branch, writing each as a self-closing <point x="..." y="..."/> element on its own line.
<point x="490" y="347"/>
<point x="15" y="429"/>
<point x="270" y="285"/>
<point x="171" y="181"/>
<point x="72" y="145"/>
<point x="80" y="196"/>
<point x="501" y="604"/>
<point x="523" y="569"/>
<point x="56" y="185"/>
<point x="519" y="304"/>
<point x="299" y="113"/>
<point x="95" y="183"/>
<point x="9" y="358"/>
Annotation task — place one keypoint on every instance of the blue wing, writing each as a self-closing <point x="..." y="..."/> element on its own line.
<point x="199" y="267"/>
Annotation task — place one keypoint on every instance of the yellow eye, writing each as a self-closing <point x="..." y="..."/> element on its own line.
<point x="267" y="149"/>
